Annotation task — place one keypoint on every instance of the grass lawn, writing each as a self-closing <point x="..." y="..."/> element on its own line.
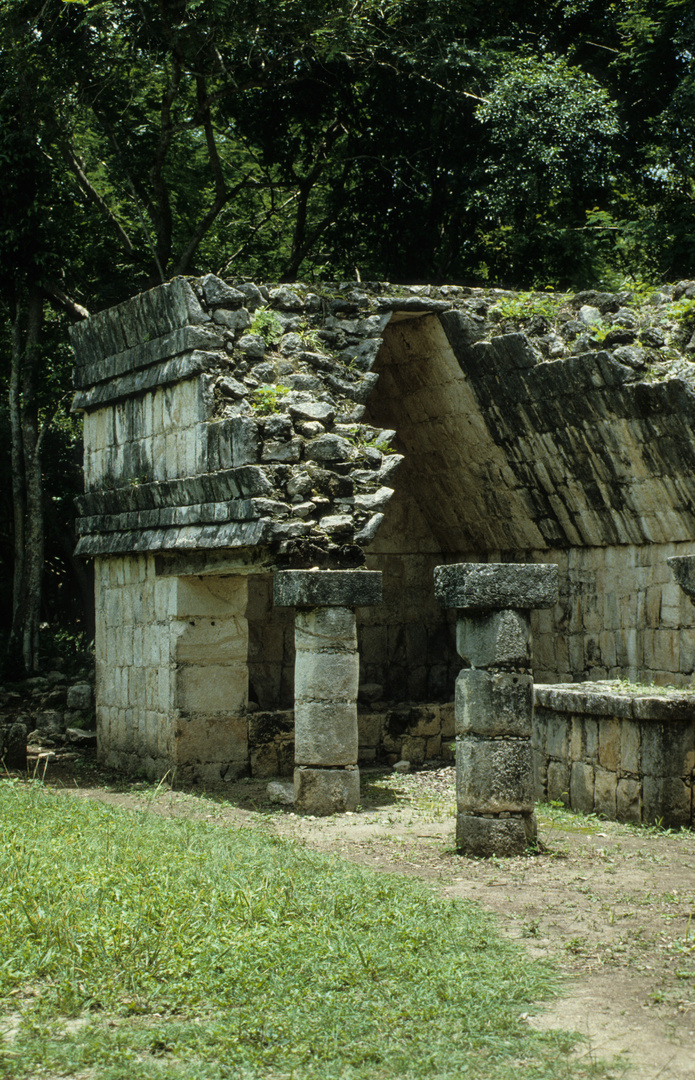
<point x="133" y="945"/>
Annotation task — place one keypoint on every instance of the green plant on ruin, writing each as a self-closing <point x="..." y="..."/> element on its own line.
<point x="527" y="305"/>
<point x="682" y="311"/>
<point x="267" y="325"/>
<point x="265" y="399"/>
<point x="311" y="339"/>
<point x="600" y="331"/>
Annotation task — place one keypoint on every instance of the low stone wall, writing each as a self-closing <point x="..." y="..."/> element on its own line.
<point x="602" y="748"/>
<point x="412" y="731"/>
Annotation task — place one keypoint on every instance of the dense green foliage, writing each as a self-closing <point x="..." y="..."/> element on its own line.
<point x="525" y="143"/>
<point x="183" y="949"/>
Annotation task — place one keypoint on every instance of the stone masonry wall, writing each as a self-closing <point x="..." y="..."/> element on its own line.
<point x="171" y="673"/>
<point x="626" y="756"/>
<point x="621" y="615"/>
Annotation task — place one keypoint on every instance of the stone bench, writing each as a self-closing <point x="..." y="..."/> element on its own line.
<point x="623" y="752"/>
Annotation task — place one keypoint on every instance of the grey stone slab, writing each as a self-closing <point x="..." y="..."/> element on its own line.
<point x="667" y="801"/>
<point x="483" y="837"/>
<point x="582" y="787"/>
<point x="325" y="733"/>
<point x="628" y="801"/>
<point x="492" y="705"/>
<point x="476" y="586"/>
<point x="668" y="749"/>
<point x="494" y="775"/>
<point x="326" y="588"/>
<point x="313" y="410"/>
<point x="501" y="638"/>
<point x="326" y="791"/>
<point x="558" y="782"/>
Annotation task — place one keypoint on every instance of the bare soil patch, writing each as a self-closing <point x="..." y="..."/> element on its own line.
<point x="611" y="905"/>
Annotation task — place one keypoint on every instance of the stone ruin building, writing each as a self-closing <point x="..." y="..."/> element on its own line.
<point x="235" y="432"/>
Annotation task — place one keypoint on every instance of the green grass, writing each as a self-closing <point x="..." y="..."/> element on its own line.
<point x="136" y="945"/>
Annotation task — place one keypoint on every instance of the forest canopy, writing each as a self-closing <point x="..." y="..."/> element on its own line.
<point x="511" y="142"/>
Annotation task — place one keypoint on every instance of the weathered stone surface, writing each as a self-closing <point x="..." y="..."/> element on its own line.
<point x="219" y="294"/>
<point x="325" y="733"/>
<point x="80" y="696"/>
<point x="479" y="586"/>
<point x="494" y="776"/>
<point x="326" y="791"/>
<point x="493" y="705"/>
<point x="499" y="639"/>
<point x="326" y="676"/>
<point x="481" y="837"/>
<point x="326" y="588"/>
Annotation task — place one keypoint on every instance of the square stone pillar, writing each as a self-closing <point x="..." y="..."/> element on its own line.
<point x="494" y="699"/>
<point x="326" y="680"/>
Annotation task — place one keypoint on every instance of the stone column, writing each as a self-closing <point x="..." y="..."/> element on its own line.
<point x="494" y="700"/>
<point x="326" y="679"/>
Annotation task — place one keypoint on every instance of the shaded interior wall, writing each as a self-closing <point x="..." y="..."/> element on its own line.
<point x="620" y="612"/>
<point x="407" y="643"/>
<point x="271" y="647"/>
<point x="172" y="677"/>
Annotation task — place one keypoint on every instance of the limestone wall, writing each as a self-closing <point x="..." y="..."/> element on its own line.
<point x="172" y="679"/>
<point x="625" y="756"/>
<point x="621" y="615"/>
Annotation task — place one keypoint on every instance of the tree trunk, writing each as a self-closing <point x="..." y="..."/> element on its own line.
<point x="27" y="489"/>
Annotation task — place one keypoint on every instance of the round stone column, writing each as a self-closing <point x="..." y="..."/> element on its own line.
<point x="326" y="681"/>
<point x="494" y="699"/>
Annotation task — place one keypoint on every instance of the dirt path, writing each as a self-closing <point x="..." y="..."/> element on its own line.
<point x="612" y="905"/>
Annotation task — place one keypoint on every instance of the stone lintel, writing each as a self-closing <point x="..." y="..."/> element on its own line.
<point x="326" y="588"/>
<point x="480" y="586"/>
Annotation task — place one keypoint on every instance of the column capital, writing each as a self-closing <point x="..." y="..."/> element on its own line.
<point x="496" y="586"/>
<point x="326" y="588"/>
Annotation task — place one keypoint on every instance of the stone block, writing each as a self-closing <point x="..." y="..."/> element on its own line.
<point x="210" y="739"/>
<point x="326" y="676"/>
<point x="668" y="749"/>
<point x="609" y="741"/>
<point x="605" y="783"/>
<point x="326" y="791"/>
<point x="628" y="801"/>
<point x="325" y="630"/>
<point x="629" y="749"/>
<point x="325" y="733"/>
<point x="433" y="747"/>
<point x="477" y="586"/>
<point x="582" y="787"/>
<point x="369" y="729"/>
<point x="447" y="720"/>
<point x="214" y="688"/>
<point x="558" y="782"/>
<point x="486" y="836"/>
<point x="494" y="776"/>
<point x="413" y="749"/>
<point x="493" y="704"/>
<point x="557" y="736"/>
<point x="491" y="640"/>
<point x="80" y="696"/>
<point x="425" y="721"/>
<point x="667" y="801"/>
<point x="208" y="597"/>
<point x="201" y="641"/>
<point x="326" y="588"/>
